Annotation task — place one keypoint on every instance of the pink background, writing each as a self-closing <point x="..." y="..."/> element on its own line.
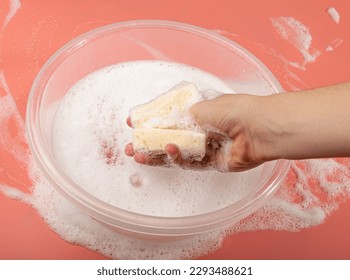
<point x="40" y="27"/>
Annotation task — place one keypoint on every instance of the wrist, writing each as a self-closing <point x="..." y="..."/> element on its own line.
<point x="269" y="126"/>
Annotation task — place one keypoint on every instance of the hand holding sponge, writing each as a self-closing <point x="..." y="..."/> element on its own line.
<point x="166" y="120"/>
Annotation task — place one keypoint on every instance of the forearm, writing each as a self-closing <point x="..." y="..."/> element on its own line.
<point x="308" y="124"/>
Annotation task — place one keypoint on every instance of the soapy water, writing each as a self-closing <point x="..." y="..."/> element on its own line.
<point x="89" y="130"/>
<point x="312" y="190"/>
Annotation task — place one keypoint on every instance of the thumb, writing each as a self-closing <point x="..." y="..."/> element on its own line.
<point x="209" y="112"/>
<point x="200" y="112"/>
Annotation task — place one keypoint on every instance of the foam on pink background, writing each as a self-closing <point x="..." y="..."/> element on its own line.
<point x="32" y="31"/>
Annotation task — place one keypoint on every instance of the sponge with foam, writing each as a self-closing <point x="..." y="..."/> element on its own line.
<point x="166" y="120"/>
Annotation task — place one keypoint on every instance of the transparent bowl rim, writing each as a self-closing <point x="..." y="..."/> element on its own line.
<point x="120" y="218"/>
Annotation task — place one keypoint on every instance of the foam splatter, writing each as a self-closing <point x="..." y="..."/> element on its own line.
<point x="333" y="14"/>
<point x="299" y="36"/>
<point x="334" y="44"/>
<point x="15" y="5"/>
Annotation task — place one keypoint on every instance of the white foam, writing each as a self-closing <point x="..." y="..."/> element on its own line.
<point x="334" y="44"/>
<point x="11" y="140"/>
<point x="15" y="5"/>
<point x="334" y="15"/>
<point x="299" y="36"/>
<point x="76" y="227"/>
<point x="92" y="115"/>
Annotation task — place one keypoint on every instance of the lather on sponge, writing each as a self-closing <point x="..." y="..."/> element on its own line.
<point x="166" y="120"/>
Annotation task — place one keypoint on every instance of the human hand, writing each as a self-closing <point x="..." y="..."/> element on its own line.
<point x="254" y="129"/>
<point x="232" y="141"/>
